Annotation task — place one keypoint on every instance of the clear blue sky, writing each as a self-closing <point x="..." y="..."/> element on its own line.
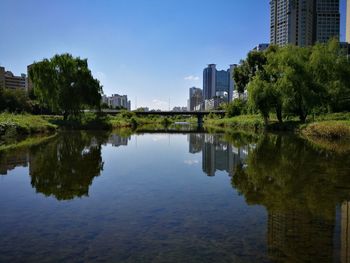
<point x="150" y="49"/>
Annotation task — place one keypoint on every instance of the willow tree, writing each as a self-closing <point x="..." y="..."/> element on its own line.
<point x="65" y="84"/>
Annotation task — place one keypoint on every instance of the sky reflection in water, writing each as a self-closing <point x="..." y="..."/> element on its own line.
<point x="174" y="198"/>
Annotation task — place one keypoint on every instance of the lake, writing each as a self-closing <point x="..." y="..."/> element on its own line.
<point x="196" y="197"/>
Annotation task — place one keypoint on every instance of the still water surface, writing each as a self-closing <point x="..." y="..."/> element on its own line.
<point x="101" y="197"/>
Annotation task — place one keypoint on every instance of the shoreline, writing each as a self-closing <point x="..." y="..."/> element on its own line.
<point x="325" y="132"/>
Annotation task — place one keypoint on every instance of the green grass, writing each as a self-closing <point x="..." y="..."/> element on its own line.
<point x="24" y="124"/>
<point x="242" y="122"/>
<point x="330" y="129"/>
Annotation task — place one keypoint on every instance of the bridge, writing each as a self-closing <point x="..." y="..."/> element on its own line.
<point x="198" y="114"/>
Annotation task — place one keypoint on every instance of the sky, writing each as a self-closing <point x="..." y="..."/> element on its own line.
<point x="151" y="50"/>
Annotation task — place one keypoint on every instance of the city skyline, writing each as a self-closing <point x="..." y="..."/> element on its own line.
<point x="149" y="51"/>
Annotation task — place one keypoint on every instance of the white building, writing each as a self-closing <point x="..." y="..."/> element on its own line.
<point x="117" y="101"/>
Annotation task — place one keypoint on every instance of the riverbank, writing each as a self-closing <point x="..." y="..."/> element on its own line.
<point x="23" y="125"/>
<point x="329" y="126"/>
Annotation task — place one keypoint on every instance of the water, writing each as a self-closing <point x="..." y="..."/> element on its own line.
<point x="101" y="197"/>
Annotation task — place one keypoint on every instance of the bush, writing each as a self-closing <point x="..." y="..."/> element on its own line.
<point x="235" y="108"/>
<point x="15" y="100"/>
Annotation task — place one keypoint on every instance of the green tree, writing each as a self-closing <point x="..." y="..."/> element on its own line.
<point x="65" y="84"/>
<point x="261" y="96"/>
<point x="14" y="100"/>
<point x="289" y="70"/>
<point x="331" y="72"/>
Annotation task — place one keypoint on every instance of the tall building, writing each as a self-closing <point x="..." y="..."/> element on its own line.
<point x="195" y="99"/>
<point x="209" y="76"/>
<point x="348" y="21"/>
<point x="303" y="22"/>
<point x="217" y="82"/>
<point x="327" y="20"/>
<point x="10" y="81"/>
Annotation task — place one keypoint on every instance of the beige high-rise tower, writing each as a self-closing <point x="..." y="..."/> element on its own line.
<point x="348" y="21"/>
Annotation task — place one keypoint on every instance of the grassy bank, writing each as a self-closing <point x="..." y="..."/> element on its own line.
<point x="336" y="129"/>
<point x="328" y="126"/>
<point x="24" y="124"/>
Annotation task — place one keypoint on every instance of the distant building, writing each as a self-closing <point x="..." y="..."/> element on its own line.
<point x="215" y="102"/>
<point x="104" y="99"/>
<point x="116" y="101"/>
<point x="195" y="98"/>
<point x="261" y="47"/>
<point x="9" y="81"/>
<point x="143" y="109"/>
<point x="304" y="22"/>
<point x="179" y="109"/>
<point x="209" y="76"/>
<point x="116" y="140"/>
<point x="217" y="81"/>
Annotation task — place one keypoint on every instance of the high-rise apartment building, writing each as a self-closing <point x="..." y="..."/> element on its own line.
<point x="304" y="22"/>
<point x="327" y="20"/>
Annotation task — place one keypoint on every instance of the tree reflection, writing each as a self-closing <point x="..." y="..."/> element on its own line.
<point x="66" y="166"/>
<point x="300" y="187"/>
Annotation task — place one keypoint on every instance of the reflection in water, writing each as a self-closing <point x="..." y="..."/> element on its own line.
<point x="12" y="159"/>
<point x="345" y="232"/>
<point x="63" y="167"/>
<point x="303" y="190"/>
<point x="300" y="189"/>
<point x="66" y="166"/>
<point x="217" y="154"/>
<point x="116" y="140"/>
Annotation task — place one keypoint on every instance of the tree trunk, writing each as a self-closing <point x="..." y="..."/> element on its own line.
<point x="65" y="116"/>
<point x="279" y="113"/>
<point x="302" y="117"/>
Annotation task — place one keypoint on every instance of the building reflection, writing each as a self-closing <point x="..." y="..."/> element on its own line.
<point x="301" y="199"/>
<point x="345" y="232"/>
<point x="117" y="140"/>
<point x="217" y="154"/>
<point x="295" y="236"/>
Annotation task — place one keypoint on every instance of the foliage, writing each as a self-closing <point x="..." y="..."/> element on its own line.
<point x="15" y="100"/>
<point x="235" y="108"/>
<point x="23" y="124"/>
<point x="66" y="166"/>
<point x="65" y="84"/>
<point x="299" y="80"/>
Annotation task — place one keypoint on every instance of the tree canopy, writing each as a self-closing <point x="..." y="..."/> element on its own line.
<point x="65" y="84"/>
<point x="296" y="80"/>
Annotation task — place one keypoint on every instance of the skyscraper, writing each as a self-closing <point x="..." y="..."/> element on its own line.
<point x="217" y="82"/>
<point x="209" y="76"/>
<point x="304" y="22"/>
